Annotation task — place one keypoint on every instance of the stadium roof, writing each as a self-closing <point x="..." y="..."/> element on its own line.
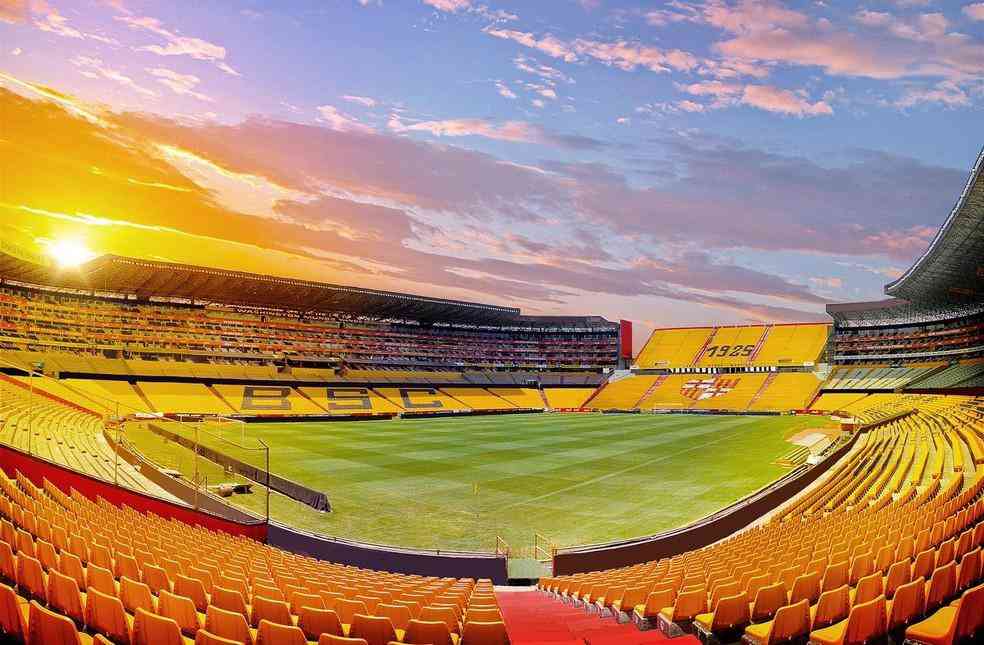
<point x="896" y="312"/>
<point x="952" y="268"/>
<point x="148" y="279"/>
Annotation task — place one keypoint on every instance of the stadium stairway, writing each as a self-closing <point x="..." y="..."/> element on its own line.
<point x="534" y="618"/>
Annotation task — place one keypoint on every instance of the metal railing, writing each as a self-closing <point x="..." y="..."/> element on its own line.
<point x="544" y="549"/>
<point x="115" y="418"/>
<point x="501" y="547"/>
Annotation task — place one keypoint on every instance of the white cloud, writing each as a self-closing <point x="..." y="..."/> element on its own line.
<point x="504" y="90"/>
<point x="92" y="67"/>
<point x="531" y="66"/>
<point x="945" y="93"/>
<point x="515" y="131"/>
<point x="177" y="45"/>
<point x="339" y="121"/>
<point x="51" y="21"/>
<point x="367" y="101"/>
<point x="183" y="84"/>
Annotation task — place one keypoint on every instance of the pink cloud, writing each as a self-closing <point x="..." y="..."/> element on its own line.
<point x="732" y="69"/>
<point x="974" y="11"/>
<point x="924" y="27"/>
<point x="774" y="99"/>
<point x="449" y="5"/>
<point x="903" y="243"/>
<point x="549" y="45"/>
<point x="55" y="23"/>
<point x="628" y="55"/>
<point x="663" y="17"/>
<point x="712" y="88"/>
<point x="763" y="97"/>
<point x="722" y="93"/>
<point x="622" y="54"/>
<point x="839" y="53"/>
<point x="466" y="6"/>
<point x="888" y="46"/>
<point x="761" y="200"/>
<point x="752" y="15"/>
<point x="690" y="106"/>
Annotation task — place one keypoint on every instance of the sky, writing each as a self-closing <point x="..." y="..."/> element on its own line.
<point x="670" y="163"/>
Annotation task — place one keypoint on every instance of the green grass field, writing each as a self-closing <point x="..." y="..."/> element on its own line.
<point x="456" y="483"/>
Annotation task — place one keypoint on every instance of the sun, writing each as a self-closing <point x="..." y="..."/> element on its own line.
<point x="69" y="253"/>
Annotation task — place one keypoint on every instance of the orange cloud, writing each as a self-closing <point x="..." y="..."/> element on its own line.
<point x="13" y="11"/>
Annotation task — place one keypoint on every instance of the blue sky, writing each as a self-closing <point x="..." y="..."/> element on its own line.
<point x="668" y="162"/>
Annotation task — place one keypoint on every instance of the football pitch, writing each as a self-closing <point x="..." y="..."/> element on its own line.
<point x="457" y="483"/>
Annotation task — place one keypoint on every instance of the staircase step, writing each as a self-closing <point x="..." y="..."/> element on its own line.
<point x="533" y="617"/>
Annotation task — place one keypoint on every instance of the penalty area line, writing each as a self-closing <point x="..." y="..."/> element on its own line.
<point x="614" y="473"/>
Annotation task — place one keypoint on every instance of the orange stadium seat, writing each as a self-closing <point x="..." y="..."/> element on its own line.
<point x="49" y="628"/>
<point x="105" y="614"/>
<point x="276" y="634"/>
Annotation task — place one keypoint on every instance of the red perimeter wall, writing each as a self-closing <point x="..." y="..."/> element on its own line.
<point x="36" y="469"/>
<point x="626" y="338"/>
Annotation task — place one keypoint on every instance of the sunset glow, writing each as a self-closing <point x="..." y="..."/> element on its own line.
<point x="69" y="254"/>
<point x="666" y="162"/>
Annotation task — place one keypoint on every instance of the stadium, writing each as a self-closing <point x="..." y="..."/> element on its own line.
<point x="338" y="461"/>
<point x="491" y="322"/>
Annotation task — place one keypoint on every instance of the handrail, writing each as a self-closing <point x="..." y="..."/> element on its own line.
<point x="501" y="546"/>
<point x="545" y="552"/>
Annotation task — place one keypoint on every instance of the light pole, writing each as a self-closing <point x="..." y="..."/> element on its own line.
<point x="197" y="482"/>
<point x="36" y="368"/>
<point x="119" y="438"/>
<point x="30" y="413"/>
<point x="266" y="448"/>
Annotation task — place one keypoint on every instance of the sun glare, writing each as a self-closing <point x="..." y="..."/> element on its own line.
<point x="69" y="253"/>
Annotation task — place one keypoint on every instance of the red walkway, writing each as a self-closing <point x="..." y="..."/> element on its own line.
<point x="533" y="617"/>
